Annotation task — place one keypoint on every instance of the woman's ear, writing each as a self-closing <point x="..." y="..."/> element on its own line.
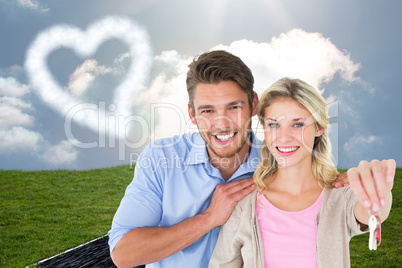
<point x="319" y="131"/>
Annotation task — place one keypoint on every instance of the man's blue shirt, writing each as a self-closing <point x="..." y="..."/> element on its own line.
<point x="174" y="181"/>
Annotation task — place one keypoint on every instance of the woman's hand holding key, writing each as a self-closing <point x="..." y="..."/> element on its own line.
<point x="372" y="183"/>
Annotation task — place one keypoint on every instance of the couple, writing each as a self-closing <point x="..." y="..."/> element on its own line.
<point x="171" y="216"/>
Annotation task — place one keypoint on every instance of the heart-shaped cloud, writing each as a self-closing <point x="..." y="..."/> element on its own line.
<point x="85" y="44"/>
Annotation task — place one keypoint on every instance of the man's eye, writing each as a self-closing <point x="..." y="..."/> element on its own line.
<point x="206" y="111"/>
<point x="235" y="107"/>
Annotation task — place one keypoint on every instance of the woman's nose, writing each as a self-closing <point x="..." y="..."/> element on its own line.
<point x="284" y="135"/>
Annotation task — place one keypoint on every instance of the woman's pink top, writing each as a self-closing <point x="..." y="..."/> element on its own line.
<point x="288" y="238"/>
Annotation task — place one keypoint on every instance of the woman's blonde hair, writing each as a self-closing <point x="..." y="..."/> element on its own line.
<point x="308" y="97"/>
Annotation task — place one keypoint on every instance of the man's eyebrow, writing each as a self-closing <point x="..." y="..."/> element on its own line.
<point x="209" y="106"/>
<point x="235" y="103"/>
<point x="203" y="107"/>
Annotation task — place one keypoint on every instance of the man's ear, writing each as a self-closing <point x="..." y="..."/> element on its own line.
<point x="191" y="114"/>
<point x="255" y="103"/>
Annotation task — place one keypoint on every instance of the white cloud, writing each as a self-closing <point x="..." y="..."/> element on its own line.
<point x="27" y="3"/>
<point x="62" y="153"/>
<point x="122" y="58"/>
<point x="84" y="75"/>
<point x="19" y="138"/>
<point x="13" y="120"/>
<point x="17" y="102"/>
<point x="121" y="62"/>
<point x="9" y="86"/>
<point x="85" y="44"/>
<point x="13" y="116"/>
<point x="298" y="54"/>
<point x="31" y="4"/>
<point x="360" y="141"/>
<point x="12" y="106"/>
<point x="165" y="100"/>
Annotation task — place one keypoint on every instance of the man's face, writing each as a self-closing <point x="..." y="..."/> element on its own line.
<point x="223" y="117"/>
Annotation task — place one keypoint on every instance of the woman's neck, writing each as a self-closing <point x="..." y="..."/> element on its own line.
<point x="294" y="180"/>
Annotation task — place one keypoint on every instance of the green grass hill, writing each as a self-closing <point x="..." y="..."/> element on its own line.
<point x="43" y="213"/>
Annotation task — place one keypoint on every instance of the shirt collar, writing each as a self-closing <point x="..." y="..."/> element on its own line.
<point x="198" y="153"/>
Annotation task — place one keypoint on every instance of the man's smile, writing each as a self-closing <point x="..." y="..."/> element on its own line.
<point x="225" y="138"/>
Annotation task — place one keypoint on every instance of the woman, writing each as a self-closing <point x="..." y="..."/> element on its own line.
<point x="295" y="218"/>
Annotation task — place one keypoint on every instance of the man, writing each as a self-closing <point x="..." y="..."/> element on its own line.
<point x="185" y="187"/>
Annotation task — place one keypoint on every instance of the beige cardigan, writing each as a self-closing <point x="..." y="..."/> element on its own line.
<point x="239" y="242"/>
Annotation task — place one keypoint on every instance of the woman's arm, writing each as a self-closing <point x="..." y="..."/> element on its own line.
<point x="372" y="183"/>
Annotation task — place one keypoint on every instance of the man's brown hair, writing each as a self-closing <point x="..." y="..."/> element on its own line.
<point x="217" y="66"/>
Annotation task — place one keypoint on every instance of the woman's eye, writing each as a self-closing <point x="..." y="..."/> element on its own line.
<point x="273" y="125"/>
<point x="298" y="125"/>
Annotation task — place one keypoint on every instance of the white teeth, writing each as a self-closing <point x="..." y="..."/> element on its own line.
<point x="225" y="137"/>
<point x="287" y="150"/>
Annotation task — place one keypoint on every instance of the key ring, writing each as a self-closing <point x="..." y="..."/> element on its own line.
<point x="378" y="237"/>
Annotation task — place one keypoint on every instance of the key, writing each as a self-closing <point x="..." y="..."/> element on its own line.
<point x="373" y="225"/>
<point x="375" y="232"/>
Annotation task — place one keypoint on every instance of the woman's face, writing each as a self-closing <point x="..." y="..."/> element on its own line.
<point x="289" y="131"/>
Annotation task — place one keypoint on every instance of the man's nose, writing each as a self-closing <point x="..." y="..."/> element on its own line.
<point x="222" y="121"/>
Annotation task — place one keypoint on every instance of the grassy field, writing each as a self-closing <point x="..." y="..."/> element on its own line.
<point x="45" y="212"/>
<point x="389" y="253"/>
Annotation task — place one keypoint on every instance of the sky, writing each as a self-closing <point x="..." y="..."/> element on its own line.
<point x="88" y="84"/>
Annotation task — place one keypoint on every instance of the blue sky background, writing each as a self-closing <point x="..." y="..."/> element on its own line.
<point x="349" y="50"/>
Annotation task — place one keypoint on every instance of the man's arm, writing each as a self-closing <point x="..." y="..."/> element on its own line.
<point x="151" y="244"/>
